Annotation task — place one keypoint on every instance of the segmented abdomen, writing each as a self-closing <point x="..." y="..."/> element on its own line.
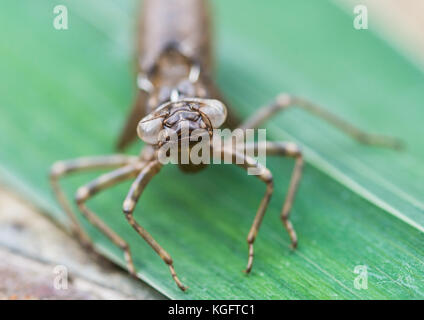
<point x="167" y="23"/>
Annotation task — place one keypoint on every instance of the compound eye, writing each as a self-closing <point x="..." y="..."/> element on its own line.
<point x="149" y="128"/>
<point x="215" y="111"/>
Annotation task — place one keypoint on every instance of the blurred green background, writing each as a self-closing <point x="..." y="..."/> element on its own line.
<point x="65" y="94"/>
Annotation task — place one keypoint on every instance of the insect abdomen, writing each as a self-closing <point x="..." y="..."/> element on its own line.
<point x="166" y="23"/>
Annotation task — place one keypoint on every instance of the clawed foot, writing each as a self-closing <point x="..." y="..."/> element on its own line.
<point x="83" y="239"/>
<point x="249" y="260"/>
<point x="177" y="281"/>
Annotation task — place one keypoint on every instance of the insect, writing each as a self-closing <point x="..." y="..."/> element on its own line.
<point x="175" y="87"/>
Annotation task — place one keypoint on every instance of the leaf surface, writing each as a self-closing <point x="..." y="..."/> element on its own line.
<point x="65" y="94"/>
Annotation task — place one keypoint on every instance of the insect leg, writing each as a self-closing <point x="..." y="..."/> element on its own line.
<point x="92" y="188"/>
<point x="137" y="188"/>
<point x="284" y="101"/>
<point x="286" y="149"/>
<point x="264" y="175"/>
<point x="63" y="168"/>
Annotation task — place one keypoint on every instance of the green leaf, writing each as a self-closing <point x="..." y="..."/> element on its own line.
<point x="65" y="94"/>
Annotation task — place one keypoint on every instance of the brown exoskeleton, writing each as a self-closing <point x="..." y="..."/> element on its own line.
<point x="175" y="87"/>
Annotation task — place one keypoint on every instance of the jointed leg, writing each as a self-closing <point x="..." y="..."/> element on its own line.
<point x="287" y="149"/>
<point x="104" y="181"/>
<point x="63" y="168"/>
<point x="265" y="176"/>
<point x="137" y="188"/>
<point x="284" y="101"/>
